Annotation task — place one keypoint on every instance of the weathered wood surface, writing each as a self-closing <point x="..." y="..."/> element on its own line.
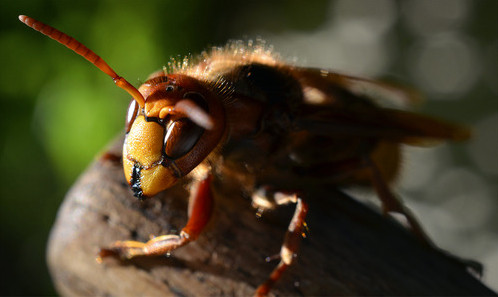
<point x="350" y="249"/>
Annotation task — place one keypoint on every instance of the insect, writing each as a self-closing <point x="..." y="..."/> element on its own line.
<point x="278" y="128"/>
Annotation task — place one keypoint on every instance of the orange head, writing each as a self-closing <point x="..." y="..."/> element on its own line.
<point x="179" y="125"/>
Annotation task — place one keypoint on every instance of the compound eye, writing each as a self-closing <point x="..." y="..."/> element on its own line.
<point x="180" y="138"/>
<point x="131" y="115"/>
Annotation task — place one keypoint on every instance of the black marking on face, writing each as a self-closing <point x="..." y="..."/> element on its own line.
<point x="136" y="187"/>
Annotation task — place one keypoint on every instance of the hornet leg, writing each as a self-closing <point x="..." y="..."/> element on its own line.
<point x="291" y="242"/>
<point x="200" y="209"/>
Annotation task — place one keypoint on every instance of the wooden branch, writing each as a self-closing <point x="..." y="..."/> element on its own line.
<point x="350" y="249"/>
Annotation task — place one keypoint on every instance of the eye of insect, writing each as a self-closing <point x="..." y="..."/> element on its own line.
<point x="181" y="135"/>
<point x="131" y="115"/>
<point x="180" y="138"/>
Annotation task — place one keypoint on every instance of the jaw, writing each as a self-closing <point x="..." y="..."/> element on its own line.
<point x="147" y="181"/>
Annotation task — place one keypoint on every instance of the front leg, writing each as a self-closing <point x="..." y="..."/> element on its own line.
<point x="200" y="209"/>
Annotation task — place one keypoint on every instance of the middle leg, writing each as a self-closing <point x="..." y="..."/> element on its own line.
<point x="292" y="238"/>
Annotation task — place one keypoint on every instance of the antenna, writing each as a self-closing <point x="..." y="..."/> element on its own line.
<point x="86" y="53"/>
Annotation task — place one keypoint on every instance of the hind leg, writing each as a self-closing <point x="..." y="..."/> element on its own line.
<point x="390" y="203"/>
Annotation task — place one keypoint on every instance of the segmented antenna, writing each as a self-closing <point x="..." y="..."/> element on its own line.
<point x="86" y="53"/>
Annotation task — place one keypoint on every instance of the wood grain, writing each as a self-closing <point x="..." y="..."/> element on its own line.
<point x="350" y="249"/>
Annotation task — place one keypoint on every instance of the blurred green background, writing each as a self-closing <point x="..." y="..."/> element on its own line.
<point x="58" y="111"/>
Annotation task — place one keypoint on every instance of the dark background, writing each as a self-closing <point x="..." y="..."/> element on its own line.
<point x="58" y="111"/>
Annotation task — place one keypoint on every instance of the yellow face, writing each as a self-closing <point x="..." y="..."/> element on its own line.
<point x="177" y="127"/>
<point x="143" y="159"/>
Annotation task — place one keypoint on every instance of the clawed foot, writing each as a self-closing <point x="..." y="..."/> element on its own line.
<point x="156" y="246"/>
<point x="472" y="266"/>
<point x="122" y="250"/>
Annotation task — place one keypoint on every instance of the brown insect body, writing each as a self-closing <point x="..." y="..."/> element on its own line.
<point x="268" y="108"/>
<point x="276" y="128"/>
